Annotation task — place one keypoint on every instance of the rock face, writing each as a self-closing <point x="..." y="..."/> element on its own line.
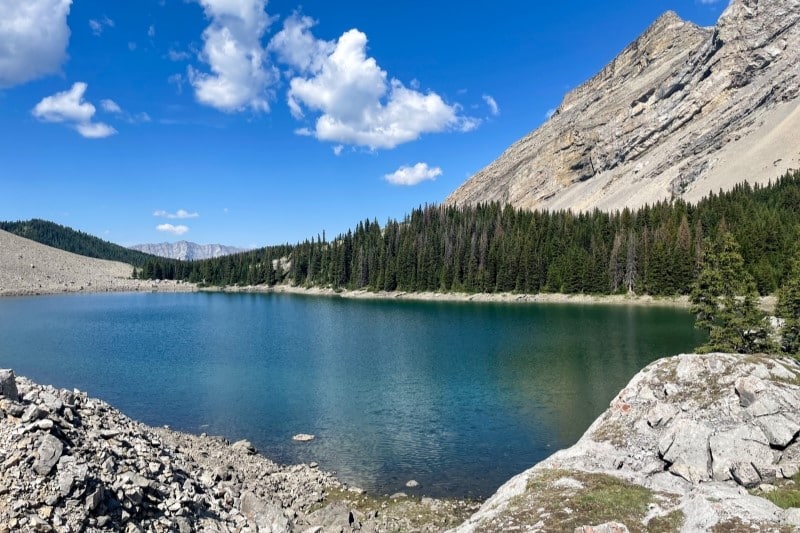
<point x="682" y="111"/>
<point x="72" y="463"/>
<point x="187" y="251"/>
<point x="694" y="432"/>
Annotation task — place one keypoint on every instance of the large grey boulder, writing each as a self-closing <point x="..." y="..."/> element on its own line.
<point x="686" y="449"/>
<point x="8" y="384"/>
<point x="48" y="454"/>
<point x="743" y="444"/>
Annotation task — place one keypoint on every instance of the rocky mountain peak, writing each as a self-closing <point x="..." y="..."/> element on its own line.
<point x="681" y="111"/>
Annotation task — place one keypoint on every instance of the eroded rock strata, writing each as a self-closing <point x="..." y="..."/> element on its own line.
<point x="681" y="112"/>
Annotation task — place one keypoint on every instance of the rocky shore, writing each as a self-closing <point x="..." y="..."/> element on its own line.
<point x="692" y="443"/>
<point x="69" y="462"/>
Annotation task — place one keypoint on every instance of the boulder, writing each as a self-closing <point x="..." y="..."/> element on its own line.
<point x="268" y="517"/>
<point x="745" y="475"/>
<point x="8" y="384"/>
<point x="745" y="443"/>
<point x="48" y="454"/>
<point x="685" y="447"/>
<point x="608" y="527"/>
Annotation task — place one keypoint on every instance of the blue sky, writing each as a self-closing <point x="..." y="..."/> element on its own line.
<point x="247" y="122"/>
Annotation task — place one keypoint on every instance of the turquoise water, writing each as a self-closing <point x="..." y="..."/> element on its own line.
<point x="458" y="396"/>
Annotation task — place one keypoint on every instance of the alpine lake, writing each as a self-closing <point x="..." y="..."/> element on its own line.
<point x="457" y="396"/>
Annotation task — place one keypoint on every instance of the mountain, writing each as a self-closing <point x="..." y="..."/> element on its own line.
<point x="682" y="111"/>
<point x="187" y="250"/>
<point x="70" y="240"/>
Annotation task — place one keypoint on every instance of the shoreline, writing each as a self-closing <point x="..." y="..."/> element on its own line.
<point x="75" y="462"/>
<point x="767" y="303"/>
<point x="505" y="297"/>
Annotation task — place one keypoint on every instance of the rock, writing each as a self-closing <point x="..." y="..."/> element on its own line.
<point x="268" y="517"/>
<point x="608" y="527"/>
<point x="8" y="384"/>
<point x="661" y="414"/>
<point x="244" y="446"/>
<point x="48" y="454"/>
<point x="745" y="443"/>
<point x="398" y="496"/>
<point x="686" y="448"/>
<point x="745" y="475"/>
<point x="412" y="484"/>
<point x="748" y="389"/>
<point x="779" y="430"/>
<point x="303" y="437"/>
<point x="792" y="517"/>
<point x="333" y="517"/>
<point x="33" y="412"/>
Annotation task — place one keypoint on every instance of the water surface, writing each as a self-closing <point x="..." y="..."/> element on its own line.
<point x="459" y="396"/>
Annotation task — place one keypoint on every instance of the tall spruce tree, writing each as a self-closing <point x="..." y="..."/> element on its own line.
<point x="789" y="308"/>
<point x="725" y="301"/>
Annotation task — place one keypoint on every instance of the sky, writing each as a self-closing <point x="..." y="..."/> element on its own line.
<point x="255" y="122"/>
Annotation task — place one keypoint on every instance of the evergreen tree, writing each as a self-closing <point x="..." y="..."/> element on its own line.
<point x="724" y="301"/>
<point x="789" y="308"/>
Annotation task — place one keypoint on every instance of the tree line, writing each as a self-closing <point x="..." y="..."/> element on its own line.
<point x="655" y="250"/>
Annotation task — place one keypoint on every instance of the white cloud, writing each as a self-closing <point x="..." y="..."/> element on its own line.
<point x="151" y="31"/>
<point x="98" y="26"/>
<point x="69" y="107"/>
<point x="178" y="81"/>
<point x="180" y="229"/>
<point x="358" y="104"/>
<point x="178" y="55"/>
<point x="239" y="77"/>
<point x="33" y="39"/>
<point x="95" y="130"/>
<point x="408" y="175"/>
<point x="492" y="103"/>
<point x="180" y="214"/>
<point x="110" y="106"/>
<point x="337" y="150"/>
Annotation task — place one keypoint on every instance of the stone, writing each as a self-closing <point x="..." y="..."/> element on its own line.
<point x="779" y="430"/>
<point x="95" y="498"/>
<point x="745" y="475"/>
<point x="661" y="414"/>
<point x="333" y="517"/>
<point x="303" y="437"/>
<point x="412" y="484"/>
<point x="748" y="389"/>
<point x="792" y="517"/>
<point x="244" y="446"/>
<point x="267" y="516"/>
<point x="8" y="384"/>
<point x="608" y="527"/>
<point x="745" y="443"/>
<point x="47" y="454"/>
<point x="32" y="412"/>
<point x="686" y="447"/>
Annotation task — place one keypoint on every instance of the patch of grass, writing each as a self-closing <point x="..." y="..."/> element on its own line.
<point x="603" y="498"/>
<point x="786" y="495"/>
<point x="667" y="523"/>
<point x="735" y="525"/>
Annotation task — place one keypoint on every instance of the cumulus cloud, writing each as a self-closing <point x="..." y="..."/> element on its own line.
<point x="180" y="214"/>
<point x="357" y="102"/>
<point x="408" y="175"/>
<point x="33" y="39"/>
<point x="494" y="109"/>
<point x="70" y="108"/>
<point x="239" y="77"/>
<point x="98" y="26"/>
<point x="180" y="229"/>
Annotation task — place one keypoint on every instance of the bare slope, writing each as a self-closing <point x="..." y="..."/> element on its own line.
<point x="682" y="111"/>
<point x="27" y="267"/>
<point x="187" y="251"/>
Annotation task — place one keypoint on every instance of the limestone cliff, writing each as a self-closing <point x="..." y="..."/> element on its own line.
<point x="682" y="111"/>
<point x="678" y="449"/>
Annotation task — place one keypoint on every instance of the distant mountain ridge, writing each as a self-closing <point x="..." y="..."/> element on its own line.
<point x="680" y="112"/>
<point x="187" y="251"/>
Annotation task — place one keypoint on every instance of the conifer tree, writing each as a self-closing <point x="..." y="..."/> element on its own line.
<point x="724" y="301"/>
<point x="789" y="308"/>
